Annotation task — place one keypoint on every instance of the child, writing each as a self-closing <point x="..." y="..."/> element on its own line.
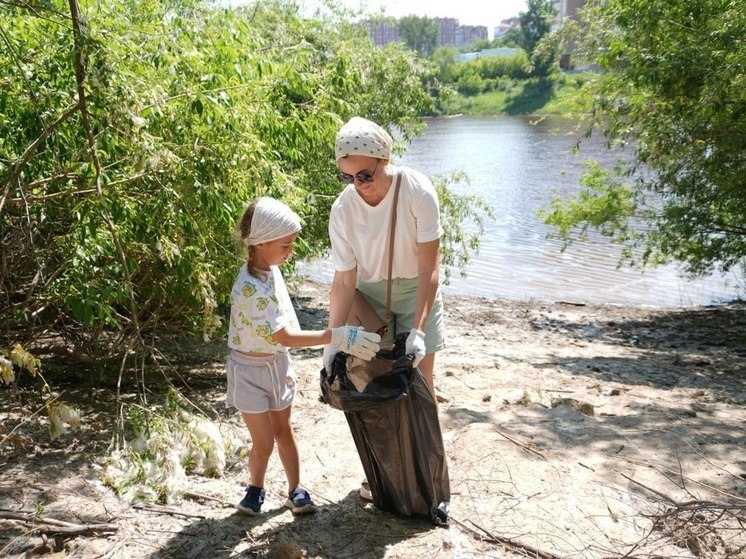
<point x="261" y="380"/>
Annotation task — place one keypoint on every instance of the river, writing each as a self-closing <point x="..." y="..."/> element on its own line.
<point x="516" y="163"/>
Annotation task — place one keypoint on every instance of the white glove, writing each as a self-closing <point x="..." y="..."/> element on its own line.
<point x="356" y="341"/>
<point x="328" y="357"/>
<point x="415" y="344"/>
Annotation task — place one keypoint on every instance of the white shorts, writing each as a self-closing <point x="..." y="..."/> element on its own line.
<point x="258" y="384"/>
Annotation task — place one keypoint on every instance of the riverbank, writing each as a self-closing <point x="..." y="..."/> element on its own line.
<point x="572" y="430"/>
<point x="561" y="96"/>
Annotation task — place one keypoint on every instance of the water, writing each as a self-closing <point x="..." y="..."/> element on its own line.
<point x="516" y="163"/>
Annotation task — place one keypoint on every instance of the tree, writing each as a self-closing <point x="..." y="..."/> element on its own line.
<point x="536" y="23"/>
<point x="132" y="135"/>
<point x="420" y="34"/>
<point x="672" y="92"/>
<point x="117" y="201"/>
<point x="512" y="39"/>
<point x="476" y="45"/>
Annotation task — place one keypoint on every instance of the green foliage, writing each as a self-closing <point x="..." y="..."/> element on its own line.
<point x="672" y="92"/>
<point x="117" y="210"/>
<point x="512" y="38"/>
<point x="462" y="218"/>
<point x="420" y="34"/>
<point x="61" y="415"/>
<point x="476" y="45"/>
<point x="483" y="74"/>
<point x="536" y="23"/>
<point x="604" y="204"/>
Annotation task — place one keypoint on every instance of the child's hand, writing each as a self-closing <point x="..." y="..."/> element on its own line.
<point x="356" y="341"/>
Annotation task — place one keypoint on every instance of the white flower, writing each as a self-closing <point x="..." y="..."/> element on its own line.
<point x="61" y="418"/>
<point x="7" y="375"/>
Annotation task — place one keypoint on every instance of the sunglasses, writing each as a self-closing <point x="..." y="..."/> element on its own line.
<point x="362" y="176"/>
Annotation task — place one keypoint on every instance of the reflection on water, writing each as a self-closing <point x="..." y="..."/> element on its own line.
<point x="516" y="164"/>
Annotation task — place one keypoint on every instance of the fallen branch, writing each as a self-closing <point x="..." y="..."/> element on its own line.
<point x="526" y="447"/>
<point x="201" y="497"/>
<point x="166" y="510"/>
<point x="653" y="491"/>
<point x="510" y="543"/>
<point x="53" y="526"/>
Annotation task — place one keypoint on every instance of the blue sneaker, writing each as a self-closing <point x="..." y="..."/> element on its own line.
<point x="299" y="502"/>
<point x="252" y="502"/>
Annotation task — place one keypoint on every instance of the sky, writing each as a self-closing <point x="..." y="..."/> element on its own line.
<point x="469" y="12"/>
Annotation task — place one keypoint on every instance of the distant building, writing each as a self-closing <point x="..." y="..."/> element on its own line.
<point x="506" y="25"/>
<point x="448" y="28"/>
<point x="471" y="33"/>
<point x="450" y="33"/>
<point x="383" y="31"/>
<point x="568" y="9"/>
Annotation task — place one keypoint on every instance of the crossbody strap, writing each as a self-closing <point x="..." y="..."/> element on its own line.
<point x="392" y="229"/>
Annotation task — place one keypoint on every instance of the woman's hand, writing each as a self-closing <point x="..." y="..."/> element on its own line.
<point x="416" y="345"/>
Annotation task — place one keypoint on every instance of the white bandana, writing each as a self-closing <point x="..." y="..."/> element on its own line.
<point x="360" y="136"/>
<point x="272" y="220"/>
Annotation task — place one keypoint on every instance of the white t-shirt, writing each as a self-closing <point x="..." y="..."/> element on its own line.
<point x="259" y="308"/>
<point x="359" y="233"/>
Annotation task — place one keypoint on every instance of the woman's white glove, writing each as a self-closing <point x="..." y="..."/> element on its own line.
<point x="416" y="345"/>
<point x="355" y="341"/>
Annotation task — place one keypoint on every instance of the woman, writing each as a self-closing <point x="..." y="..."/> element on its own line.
<point x="359" y="231"/>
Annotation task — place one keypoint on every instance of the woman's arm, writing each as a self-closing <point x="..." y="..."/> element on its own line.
<point x="428" y="266"/>
<point x="341" y="296"/>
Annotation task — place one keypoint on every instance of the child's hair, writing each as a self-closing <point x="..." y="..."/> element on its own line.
<point x="243" y="227"/>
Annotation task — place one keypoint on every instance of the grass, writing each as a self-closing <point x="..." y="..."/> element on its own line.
<point x="565" y="95"/>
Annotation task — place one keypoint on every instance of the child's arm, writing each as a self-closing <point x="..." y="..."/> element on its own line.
<point x="350" y="339"/>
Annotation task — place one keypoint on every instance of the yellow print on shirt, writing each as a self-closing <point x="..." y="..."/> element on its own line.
<point x="248" y="289"/>
<point x="265" y="331"/>
<point x="261" y="303"/>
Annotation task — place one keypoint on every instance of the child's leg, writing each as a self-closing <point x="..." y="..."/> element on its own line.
<point x="262" y="443"/>
<point x="286" y="446"/>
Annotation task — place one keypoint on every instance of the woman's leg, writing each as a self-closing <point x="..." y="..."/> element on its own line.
<point x="287" y="447"/>
<point x="262" y="444"/>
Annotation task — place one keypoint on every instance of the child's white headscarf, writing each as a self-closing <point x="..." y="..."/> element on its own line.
<point x="360" y="136"/>
<point x="272" y="220"/>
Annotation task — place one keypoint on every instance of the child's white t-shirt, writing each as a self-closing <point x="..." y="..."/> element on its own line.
<point x="258" y="309"/>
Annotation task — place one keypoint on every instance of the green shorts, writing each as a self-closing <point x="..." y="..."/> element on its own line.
<point x="403" y="303"/>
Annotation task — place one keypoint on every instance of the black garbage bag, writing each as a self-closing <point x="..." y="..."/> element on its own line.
<point x="394" y="422"/>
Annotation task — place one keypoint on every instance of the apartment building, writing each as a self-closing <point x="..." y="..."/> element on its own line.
<point x="450" y="32"/>
<point x="471" y="33"/>
<point x="568" y="9"/>
<point x="383" y="31"/>
<point x="448" y="29"/>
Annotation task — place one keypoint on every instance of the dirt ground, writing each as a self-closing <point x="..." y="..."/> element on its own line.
<point x="571" y="431"/>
